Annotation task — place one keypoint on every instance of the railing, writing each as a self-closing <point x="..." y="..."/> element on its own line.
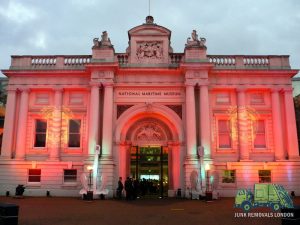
<point x="250" y="61"/>
<point x="122" y="58"/>
<point x="176" y="58"/>
<point x="219" y="61"/>
<point x="50" y="62"/>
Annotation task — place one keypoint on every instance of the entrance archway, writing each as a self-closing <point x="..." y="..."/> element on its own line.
<point x="149" y="145"/>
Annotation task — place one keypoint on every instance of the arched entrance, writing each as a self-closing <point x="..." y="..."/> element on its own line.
<point x="149" y="148"/>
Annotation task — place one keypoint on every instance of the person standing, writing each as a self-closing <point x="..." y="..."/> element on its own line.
<point x="120" y="188"/>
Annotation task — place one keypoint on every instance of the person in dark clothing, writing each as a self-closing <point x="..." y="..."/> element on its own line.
<point x="128" y="188"/>
<point x="120" y="188"/>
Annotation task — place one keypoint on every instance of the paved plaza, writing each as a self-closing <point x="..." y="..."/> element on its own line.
<point x="74" y="211"/>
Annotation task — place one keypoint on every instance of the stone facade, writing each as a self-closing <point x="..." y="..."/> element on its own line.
<point x="231" y="114"/>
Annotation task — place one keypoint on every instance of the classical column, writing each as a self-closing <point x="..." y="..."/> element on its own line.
<point x="55" y="143"/>
<point x="93" y="118"/>
<point x="175" y="150"/>
<point x="205" y="121"/>
<point x="22" y="125"/>
<point x="123" y="152"/>
<point x="107" y="121"/>
<point x="190" y="115"/>
<point x="9" y="123"/>
<point x="242" y="124"/>
<point x="291" y="129"/>
<point x="277" y="126"/>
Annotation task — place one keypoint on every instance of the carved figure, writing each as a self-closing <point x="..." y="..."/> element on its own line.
<point x="148" y="133"/>
<point x="96" y="42"/>
<point x="194" y="35"/>
<point x="149" y="50"/>
<point x="105" y="41"/>
<point x="194" y="41"/>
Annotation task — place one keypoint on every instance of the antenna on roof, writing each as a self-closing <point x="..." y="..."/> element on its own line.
<point x="149" y="7"/>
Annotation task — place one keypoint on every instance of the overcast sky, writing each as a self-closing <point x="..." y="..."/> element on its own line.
<point x="49" y="27"/>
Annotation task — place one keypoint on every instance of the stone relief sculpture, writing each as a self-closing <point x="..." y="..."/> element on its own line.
<point x="194" y="41"/>
<point x="104" y="42"/>
<point x="149" y="132"/>
<point x="149" y="50"/>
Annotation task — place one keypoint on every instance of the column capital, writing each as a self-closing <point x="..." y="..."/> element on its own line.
<point x="11" y="89"/>
<point x="287" y="90"/>
<point x="95" y="84"/>
<point x="203" y="84"/>
<point x="190" y="83"/>
<point x="241" y="89"/>
<point x="276" y="89"/>
<point x="58" y="89"/>
<point x="24" y="89"/>
<point x="108" y="84"/>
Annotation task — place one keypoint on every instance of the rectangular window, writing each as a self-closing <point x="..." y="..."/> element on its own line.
<point x="74" y="133"/>
<point x="224" y="134"/>
<point x="70" y="175"/>
<point x="259" y="134"/>
<point x="223" y="98"/>
<point x="228" y="176"/>
<point x="34" y="175"/>
<point x="40" y="133"/>
<point x="264" y="176"/>
<point x="76" y="98"/>
<point x="42" y="99"/>
<point x="257" y="98"/>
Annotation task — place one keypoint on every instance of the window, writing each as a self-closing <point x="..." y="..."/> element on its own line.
<point x="260" y="135"/>
<point x="223" y="98"/>
<point x="70" y="175"/>
<point x="40" y="133"/>
<point x="228" y="176"/>
<point x="224" y="134"/>
<point x="74" y="133"/>
<point x="34" y="175"/>
<point x="42" y="99"/>
<point x="257" y="98"/>
<point x="264" y="176"/>
<point x="76" y="98"/>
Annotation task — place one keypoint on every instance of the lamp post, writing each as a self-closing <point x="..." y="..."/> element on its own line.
<point x="208" y="192"/>
<point x="90" y="191"/>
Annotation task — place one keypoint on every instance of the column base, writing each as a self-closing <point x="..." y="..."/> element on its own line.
<point x="5" y="157"/>
<point x="246" y="160"/>
<point x="53" y="159"/>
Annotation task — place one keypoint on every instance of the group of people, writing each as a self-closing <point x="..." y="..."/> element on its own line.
<point x="135" y="188"/>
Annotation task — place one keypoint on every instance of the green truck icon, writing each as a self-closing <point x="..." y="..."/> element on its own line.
<point x="265" y="195"/>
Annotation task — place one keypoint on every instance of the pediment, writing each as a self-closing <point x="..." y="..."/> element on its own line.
<point x="151" y="30"/>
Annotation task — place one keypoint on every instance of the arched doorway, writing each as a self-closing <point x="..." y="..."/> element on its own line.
<point x="149" y="155"/>
<point x="149" y="147"/>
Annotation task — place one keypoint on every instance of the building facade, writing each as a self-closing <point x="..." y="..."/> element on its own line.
<point x="188" y="121"/>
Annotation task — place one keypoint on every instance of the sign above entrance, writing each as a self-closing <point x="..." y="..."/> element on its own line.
<point x="140" y="93"/>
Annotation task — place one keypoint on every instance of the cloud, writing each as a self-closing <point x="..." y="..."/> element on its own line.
<point x="17" y="12"/>
<point x="39" y="40"/>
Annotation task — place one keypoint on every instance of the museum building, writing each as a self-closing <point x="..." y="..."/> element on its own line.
<point x="184" y="121"/>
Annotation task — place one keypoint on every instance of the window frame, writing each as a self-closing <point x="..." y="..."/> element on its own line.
<point x="70" y="181"/>
<point x="80" y="133"/>
<point x="35" y="133"/>
<point x="259" y="177"/>
<point x="223" y="176"/>
<point x="34" y="182"/>
<point x="265" y="135"/>
<point x="229" y="133"/>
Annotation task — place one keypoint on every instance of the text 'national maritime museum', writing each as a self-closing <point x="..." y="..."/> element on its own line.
<point x="177" y="121"/>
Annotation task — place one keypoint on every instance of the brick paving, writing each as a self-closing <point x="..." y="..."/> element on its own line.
<point x="74" y="211"/>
